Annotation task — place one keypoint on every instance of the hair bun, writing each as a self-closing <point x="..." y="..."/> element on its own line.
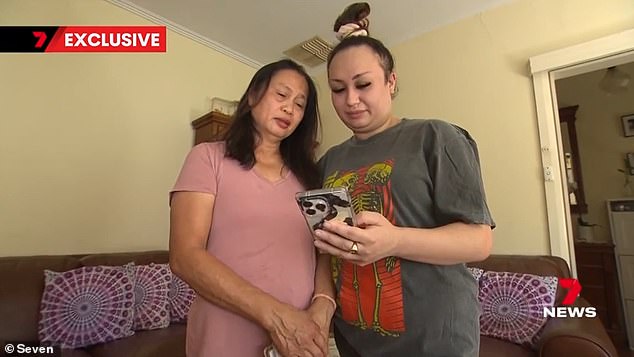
<point x="353" y="21"/>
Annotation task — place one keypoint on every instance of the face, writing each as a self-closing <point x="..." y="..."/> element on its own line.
<point x="281" y="108"/>
<point x="361" y="96"/>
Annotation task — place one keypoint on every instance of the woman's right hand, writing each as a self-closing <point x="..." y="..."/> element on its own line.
<point x="295" y="333"/>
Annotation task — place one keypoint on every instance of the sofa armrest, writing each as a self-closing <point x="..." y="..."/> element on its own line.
<point x="579" y="337"/>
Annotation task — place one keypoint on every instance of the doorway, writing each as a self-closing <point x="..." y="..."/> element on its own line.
<point x="594" y="55"/>
<point x="594" y="150"/>
<point x="552" y="72"/>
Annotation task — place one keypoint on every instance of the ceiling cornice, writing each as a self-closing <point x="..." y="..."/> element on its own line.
<point x="146" y="14"/>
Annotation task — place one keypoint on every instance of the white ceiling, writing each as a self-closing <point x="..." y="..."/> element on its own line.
<point x="259" y="31"/>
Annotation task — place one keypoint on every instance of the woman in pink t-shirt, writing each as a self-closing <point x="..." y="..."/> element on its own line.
<point x="237" y="236"/>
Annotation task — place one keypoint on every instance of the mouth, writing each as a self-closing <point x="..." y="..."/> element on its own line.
<point x="284" y="123"/>
<point x="355" y="114"/>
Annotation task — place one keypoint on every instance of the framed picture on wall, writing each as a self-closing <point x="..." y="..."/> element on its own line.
<point x="628" y="125"/>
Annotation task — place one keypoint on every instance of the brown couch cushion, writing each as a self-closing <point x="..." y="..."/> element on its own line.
<point x="21" y="291"/>
<point x="538" y="264"/>
<point x="492" y="347"/>
<point x="169" y="341"/>
<point x="75" y="353"/>
<point x="139" y="258"/>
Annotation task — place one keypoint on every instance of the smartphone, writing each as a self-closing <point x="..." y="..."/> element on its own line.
<point x="319" y="206"/>
<point x="271" y="351"/>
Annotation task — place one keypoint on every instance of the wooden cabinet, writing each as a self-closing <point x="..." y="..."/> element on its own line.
<point x="210" y="127"/>
<point x="572" y="161"/>
<point x="597" y="273"/>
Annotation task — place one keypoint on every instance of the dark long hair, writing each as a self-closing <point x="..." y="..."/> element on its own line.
<point x="385" y="56"/>
<point x="298" y="149"/>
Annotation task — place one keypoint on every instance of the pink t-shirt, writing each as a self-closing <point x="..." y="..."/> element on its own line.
<point x="258" y="231"/>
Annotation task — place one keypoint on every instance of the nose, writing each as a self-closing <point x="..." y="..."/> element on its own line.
<point x="352" y="98"/>
<point x="288" y="109"/>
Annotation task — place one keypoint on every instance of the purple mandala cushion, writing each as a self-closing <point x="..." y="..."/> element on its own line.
<point x="476" y="272"/>
<point x="151" y="288"/>
<point x="88" y="305"/>
<point x="513" y="305"/>
<point x="180" y="297"/>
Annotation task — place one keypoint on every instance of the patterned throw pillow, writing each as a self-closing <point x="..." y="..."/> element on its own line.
<point x="476" y="272"/>
<point x="513" y="304"/>
<point x="88" y="305"/>
<point x="181" y="297"/>
<point x="151" y="288"/>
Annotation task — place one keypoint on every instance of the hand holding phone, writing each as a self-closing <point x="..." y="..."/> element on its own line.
<point x="319" y="206"/>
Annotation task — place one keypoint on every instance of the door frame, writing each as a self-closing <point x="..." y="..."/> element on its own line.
<point x="546" y="68"/>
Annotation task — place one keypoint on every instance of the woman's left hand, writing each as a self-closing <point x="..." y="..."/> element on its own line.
<point x="321" y="312"/>
<point x="295" y="333"/>
<point x="375" y="238"/>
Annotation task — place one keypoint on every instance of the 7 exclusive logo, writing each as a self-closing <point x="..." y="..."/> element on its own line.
<point x="26" y="38"/>
<point x="47" y="39"/>
<point x="41" y="38"/>
<point x="567" y="310"/>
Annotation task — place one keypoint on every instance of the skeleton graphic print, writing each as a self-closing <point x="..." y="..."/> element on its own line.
<point x="371" y="296"/>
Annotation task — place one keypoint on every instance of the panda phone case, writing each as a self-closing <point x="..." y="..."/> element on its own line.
<point x="326" y="204"/>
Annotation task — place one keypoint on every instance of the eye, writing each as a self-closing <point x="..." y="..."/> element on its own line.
<point x="280" y="94"/>
<point x="337" y="90"/>
<point x="363" y="85"/>
<point x="300" y="105"/>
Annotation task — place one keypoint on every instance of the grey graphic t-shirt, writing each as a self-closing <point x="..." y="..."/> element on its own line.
<point x="424" y="174"/>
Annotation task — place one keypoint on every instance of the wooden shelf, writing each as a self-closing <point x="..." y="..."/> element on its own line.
<point x="210" y="127"/>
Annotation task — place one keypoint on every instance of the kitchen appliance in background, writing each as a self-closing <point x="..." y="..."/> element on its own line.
<point x="621" y="212"/>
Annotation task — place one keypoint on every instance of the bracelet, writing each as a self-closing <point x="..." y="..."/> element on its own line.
<point x="334" y="303"/>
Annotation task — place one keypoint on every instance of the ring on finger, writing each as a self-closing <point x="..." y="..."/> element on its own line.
<point x="354" y="249"/>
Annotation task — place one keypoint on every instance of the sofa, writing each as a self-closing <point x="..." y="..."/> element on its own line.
<point x="578" y="337"/>
<point x="22" y="284"/>
<point x="21" y="288"/>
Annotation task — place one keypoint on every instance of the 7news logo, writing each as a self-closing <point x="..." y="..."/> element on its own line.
<point x="567" y="310"/>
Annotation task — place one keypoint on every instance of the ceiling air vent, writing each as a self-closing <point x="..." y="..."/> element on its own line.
<point x="310" y="53"/>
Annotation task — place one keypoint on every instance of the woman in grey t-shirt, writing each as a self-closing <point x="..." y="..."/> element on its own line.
<point x="402" y="286"/>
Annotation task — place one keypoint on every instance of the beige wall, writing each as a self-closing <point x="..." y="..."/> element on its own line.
<point x="90" y="144"/>
<point x="475" y="73"/>
<point x="602" y="146"/>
